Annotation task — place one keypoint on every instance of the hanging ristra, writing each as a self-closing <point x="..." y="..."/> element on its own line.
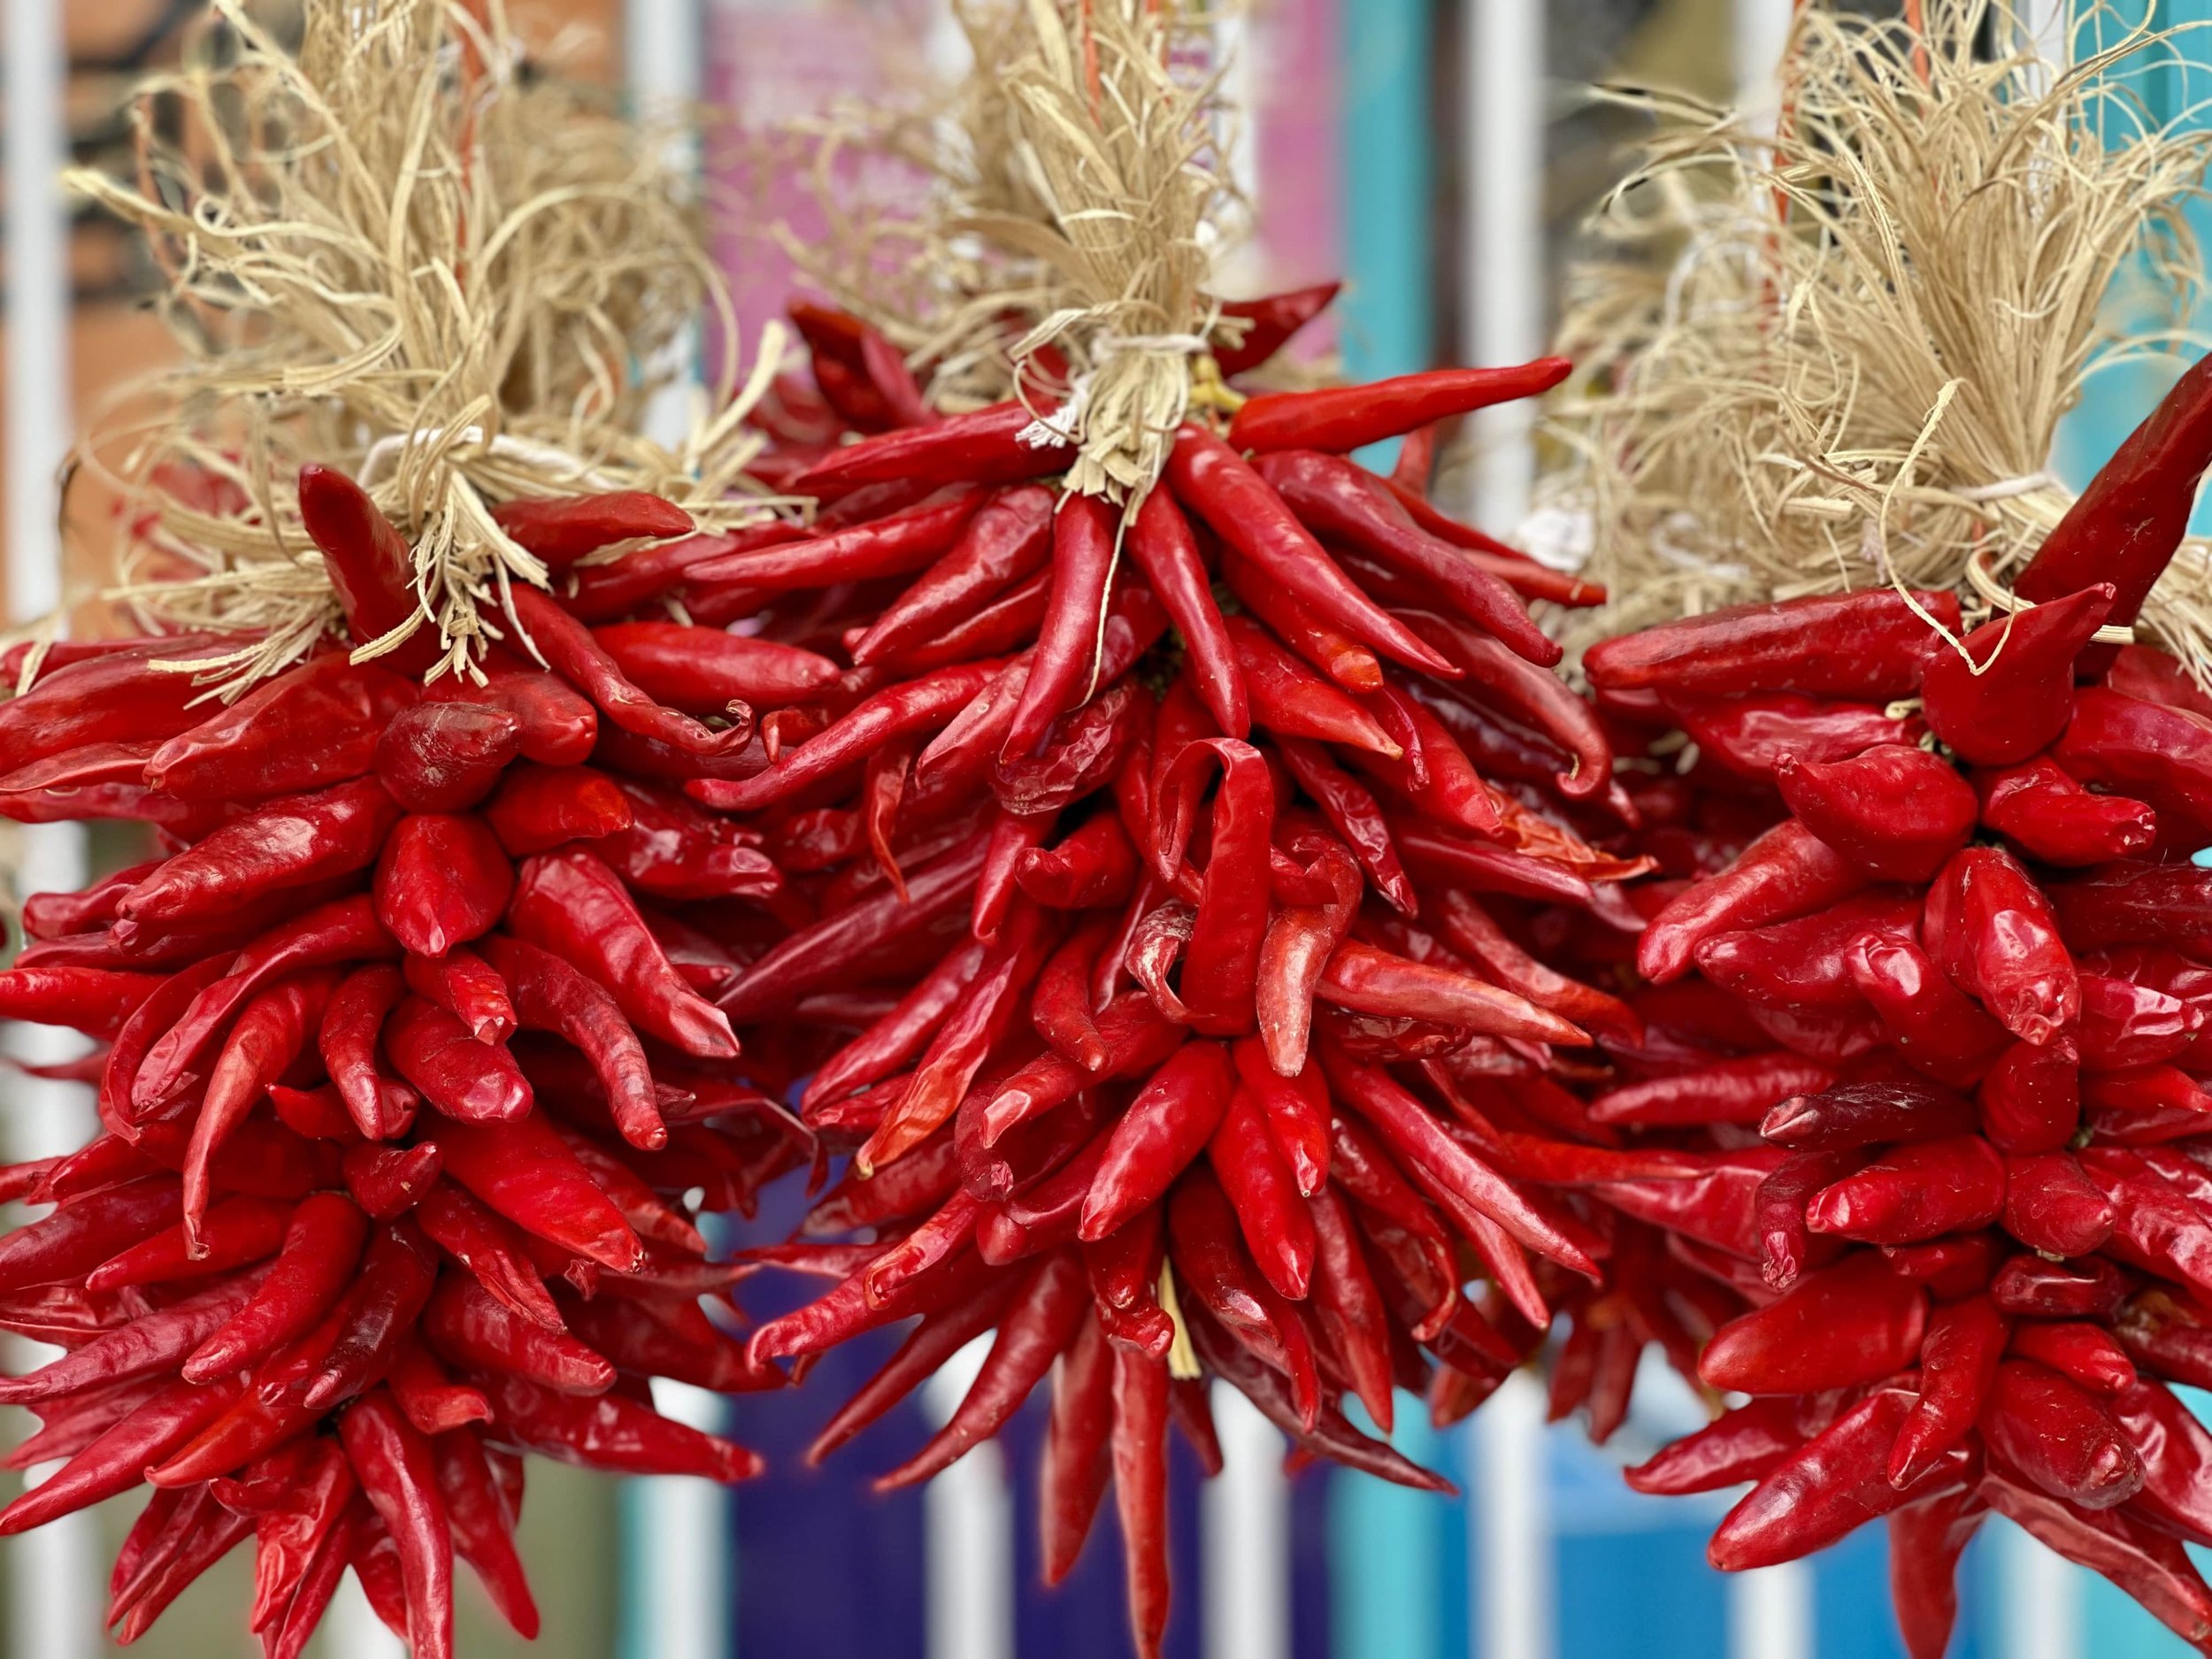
<point x="1833" y="352"/>
<point x="394" y="254"/>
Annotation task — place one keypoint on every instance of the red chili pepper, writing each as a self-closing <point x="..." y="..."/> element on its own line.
<point x="1038" y="1324"/>
<point x="574" y="906"/>
<point x="559" y="724"/>
<point x="469" y="988"/>
<point x="1341" y="419"/>
<point x="1896" y="811"/>
<point x="1076" y="1459"/>
<point x="117" y="1459"/>
<point x="2055" y="821"/>
<point x="473" y="1081"/>
<point x="2060" y="1438"/>
<point x="1160" y="540"/>
<point x="1209" y="477"/>
<point x="906" y="539"/>
<point x="370" y="567"/>
<point x="523" y="1171"/>
<point x="344" y="930"/>
<point x="2123" y="528"/>
<point x="1989" y="927"/>
<point x="442" y="880"/>
<point x="1744" y="1443"/>
<point x="482" y="1522"/>
<point x="1871" y="645"/>
<point x="446" y="757"/>
<point x="314" y="725"/>
<point x="2160" y="755"/>
<point x="1268" y="323"/>
<point x="1787" y="872"/>
<point x="399" y="1476"/>
<point x="1824" y="1489"/>
<point x="989" y="445"/>
<point x="1210" y="1264"/>
<point x="1140" y="1460"/>
<point x="562" y="529"/>
<point x="1337" y="500"/>
<point x="2008" y="689"/>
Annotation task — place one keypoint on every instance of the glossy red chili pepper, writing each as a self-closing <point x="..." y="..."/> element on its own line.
<point x="1209" y="479"/>
<point x="2052" y="819"/>
<point x="1989" y="927"/>
<point x="1268" y="323"/>
<point x="2160" y="755"/>
<point x="1824" y="1489"/>
<point x="2123" y="528"/>
<point x="370" y="567"/>
<point x="314" y="725"/>
<point x="561" y="529"/>
<point x="1871" y="645"/>
<point x="2008" y="690"/>
<point x="442" y="881"/>
<point x="574" y="906"/>
<point x="446" y="757"/>
<point x="1340" y="420"/>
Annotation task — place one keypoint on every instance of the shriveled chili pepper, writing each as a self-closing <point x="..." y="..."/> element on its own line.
<point x="445" y="756"/>
<point x="399" y="1476"/>
<point x="1824" y="1489"/>
<point x="569" y="903"/>
<point x="1989" y="927"/>
<point x="1209" y="477"/>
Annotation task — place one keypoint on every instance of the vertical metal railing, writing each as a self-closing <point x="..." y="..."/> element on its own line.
<point x="54" y="1608"/>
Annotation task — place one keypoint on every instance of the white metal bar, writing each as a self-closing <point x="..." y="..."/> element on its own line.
<point x="2040" y="1600"/>
<point x="664" y="54"/>
<point x="1771" y="1613"/>
<point x="1505" y="252"/>
<point x="54" y="1578"/>
<point x="1244" y="1537"/>
<point x="1512" y="1573"/>
<point x="968" y="1534"/>
<point x="1761" y="30"/>
<point x="679" y="1602"/>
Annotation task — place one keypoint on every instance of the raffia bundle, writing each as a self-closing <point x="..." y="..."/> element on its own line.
<point x="1835" y="353"/>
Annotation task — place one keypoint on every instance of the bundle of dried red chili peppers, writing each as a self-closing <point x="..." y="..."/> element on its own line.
<point x="1154" y="971"/>
<point x="405" y="1075"/>
<point x="1926" y="1007"/>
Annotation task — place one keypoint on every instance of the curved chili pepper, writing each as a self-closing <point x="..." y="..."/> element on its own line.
<point x="1824" y="1489"/>
<point x="1209" y="477"/>
<point x="2008" y="690"/>
<point x="1267" y="324"/>
<point x="1896" y="810"/>
<point x="1140" y="1460"/>
<point x="2055" y="821"/>
<point x="1337" y="499"/>
<point x="475" y="1082"/>
<point x="568" y="648"/>
<point x="2161" y="756"/>
<point x="1340" y="420"/>
<point x="572" y="905"/>
<point x="370" y="566"/>
<point x="2122" y="529"/>
<point x="313" y="727"/>
<point x="446" y="757"/>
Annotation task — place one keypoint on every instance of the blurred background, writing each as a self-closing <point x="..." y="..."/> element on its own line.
<point x="1440" y="155"/>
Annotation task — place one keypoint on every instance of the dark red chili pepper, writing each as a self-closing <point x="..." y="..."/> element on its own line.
<point x="446" y="757"/>
<point x="442" y="881"/>
<point x="370" y="566"/>
<point x="2123" y="528"/>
